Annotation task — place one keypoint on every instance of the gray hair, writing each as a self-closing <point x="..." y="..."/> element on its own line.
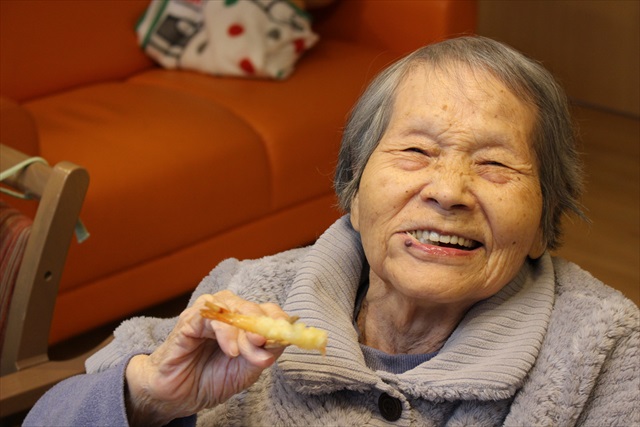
<point x="554" y="138"/>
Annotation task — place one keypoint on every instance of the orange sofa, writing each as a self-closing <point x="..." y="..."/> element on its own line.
<point x="188" y="169"/>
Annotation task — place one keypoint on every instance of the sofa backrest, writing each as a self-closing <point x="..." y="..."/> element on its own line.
<point x="399" y="26"/>
<point x="50" y="46"/>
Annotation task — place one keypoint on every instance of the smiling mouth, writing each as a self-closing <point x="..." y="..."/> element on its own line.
<point x="447" y="241"/>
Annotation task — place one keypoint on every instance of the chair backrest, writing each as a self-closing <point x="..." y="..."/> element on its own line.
<point x="61" y="190"/>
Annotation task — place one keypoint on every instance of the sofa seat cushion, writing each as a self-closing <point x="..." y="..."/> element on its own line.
<point x="169" y="168"/>
<point x="299" y="119"/>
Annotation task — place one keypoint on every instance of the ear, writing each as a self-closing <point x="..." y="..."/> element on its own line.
<point x="355" y="212"/>
<point x="539" y="245"/>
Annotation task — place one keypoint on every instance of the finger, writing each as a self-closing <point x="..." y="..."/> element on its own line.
<point x="192" y="324"/>
<point x="267" y="309"/>
<point x="275" y="349"/>
<point x="260" y="310"/>
<point x="227" y="337"/>
<point x="251" y="345"/>
<point x="256" y="339"/>
<point x="236" y="304"/>
<point x="231" y="341"/>
<point x="256" y="355"/>
<point x="273" y="310"/>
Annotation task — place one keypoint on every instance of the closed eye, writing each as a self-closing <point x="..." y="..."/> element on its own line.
<point x="416" y="150"/>
<point x="494" y="163"/>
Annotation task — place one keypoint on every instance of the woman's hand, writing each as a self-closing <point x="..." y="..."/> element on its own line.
<point x="201" y="364"/>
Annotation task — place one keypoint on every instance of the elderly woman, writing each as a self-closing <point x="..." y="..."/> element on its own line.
<point x="441" y="301"/>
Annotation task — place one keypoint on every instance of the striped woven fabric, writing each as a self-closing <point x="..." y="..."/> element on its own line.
<point x="15" y="229"/>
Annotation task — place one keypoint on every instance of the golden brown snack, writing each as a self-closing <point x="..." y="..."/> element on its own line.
<point x="280" y="331"/>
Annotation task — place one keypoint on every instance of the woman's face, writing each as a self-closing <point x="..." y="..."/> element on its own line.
<point x="449" y="204"/>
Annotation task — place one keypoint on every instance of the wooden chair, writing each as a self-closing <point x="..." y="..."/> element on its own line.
<point x="26" y="369"/>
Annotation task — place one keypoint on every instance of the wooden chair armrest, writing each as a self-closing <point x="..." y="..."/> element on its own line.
<point x="61" y="190"/>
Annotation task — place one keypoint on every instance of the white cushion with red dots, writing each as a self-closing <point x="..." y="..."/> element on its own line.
<point x="228" y="37"/>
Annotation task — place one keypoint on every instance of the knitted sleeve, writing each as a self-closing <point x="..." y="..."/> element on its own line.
<point x="88" y="400"/>
<point x="96" y="399"/>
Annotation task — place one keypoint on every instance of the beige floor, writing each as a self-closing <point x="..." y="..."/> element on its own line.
<point x="609" y="247"/>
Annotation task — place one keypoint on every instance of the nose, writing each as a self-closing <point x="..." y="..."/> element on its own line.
<point x="448" y="186"/>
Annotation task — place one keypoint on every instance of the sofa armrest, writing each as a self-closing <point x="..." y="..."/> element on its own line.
<point x="399" y="26"/>
<point x="18" y="127"/>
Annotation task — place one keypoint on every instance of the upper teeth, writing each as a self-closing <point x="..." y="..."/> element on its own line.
<point x="434" y="238"/>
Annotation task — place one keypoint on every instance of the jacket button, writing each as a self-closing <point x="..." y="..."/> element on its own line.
<point x="390" y="407"/>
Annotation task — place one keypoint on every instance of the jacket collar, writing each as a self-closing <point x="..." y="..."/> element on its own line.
<point x="487" y="357"/>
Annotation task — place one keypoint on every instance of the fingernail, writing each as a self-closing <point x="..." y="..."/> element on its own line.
<point x="263" y="355"/>
<point x="234" y="350"/>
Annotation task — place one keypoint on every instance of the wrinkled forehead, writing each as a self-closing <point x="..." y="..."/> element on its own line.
<point x="462" y="85"/>
<point x="456" y="77"/>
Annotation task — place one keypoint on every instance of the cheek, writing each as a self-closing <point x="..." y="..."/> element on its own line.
<point x="518" y="219"/>
<point x="381" y="195"/>
<point x="380" y="199"/>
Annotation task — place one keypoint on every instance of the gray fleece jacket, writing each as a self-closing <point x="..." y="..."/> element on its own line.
<point x="555" y="347"/>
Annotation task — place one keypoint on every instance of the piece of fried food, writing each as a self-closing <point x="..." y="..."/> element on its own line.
<point x="280" y="331"/>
